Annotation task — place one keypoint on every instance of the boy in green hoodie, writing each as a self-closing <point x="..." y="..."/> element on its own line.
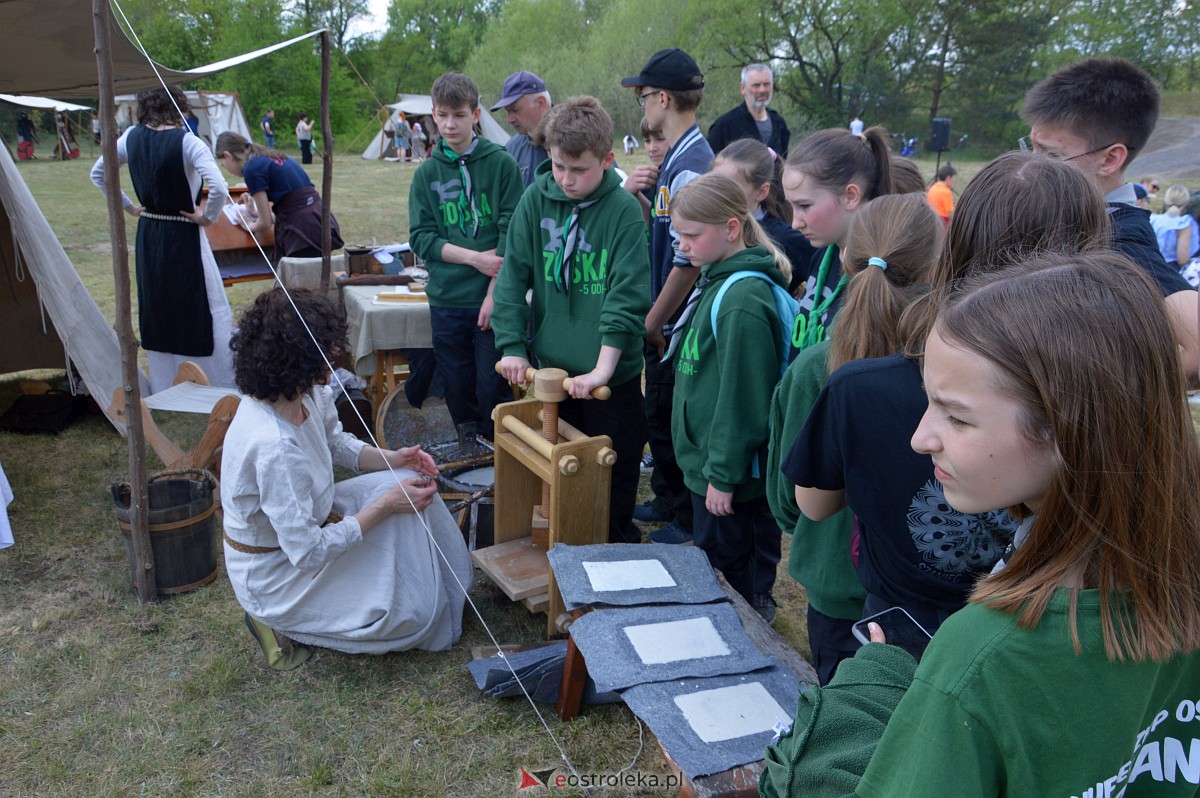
<point x="578" y="241"/>
<point x="459" y="207"/>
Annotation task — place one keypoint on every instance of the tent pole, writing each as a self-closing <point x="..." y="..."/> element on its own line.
<point x="143" y="556"/>
<point x="326" y="167"/>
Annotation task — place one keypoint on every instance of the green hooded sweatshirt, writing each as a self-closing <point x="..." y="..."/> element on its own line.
<point x="597" y="294"/>
<point x="442" y="211"/>
<point x="820" y="554"/>
<point x="723" y="387"/>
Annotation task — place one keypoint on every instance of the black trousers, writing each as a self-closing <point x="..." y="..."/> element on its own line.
<point x="745" y="546"/>
<point x="466" y="359"/>
<point x="620" y="418"/>
<point x="666" y="480"/>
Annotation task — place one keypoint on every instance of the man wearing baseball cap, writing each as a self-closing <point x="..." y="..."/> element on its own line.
<point x="669" y="89"/>
<point x="526" y="101"/>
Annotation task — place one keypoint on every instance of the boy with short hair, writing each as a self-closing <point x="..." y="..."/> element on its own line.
<point x="577" y="241"/>
<point x="1097" y="114"/>
<point x="669" y="89"/>
<point x="941" y="195"/>
<point x="459" y="206"/>
<point x="642" y="179"/>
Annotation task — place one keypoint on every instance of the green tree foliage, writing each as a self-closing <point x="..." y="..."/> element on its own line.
<point x="288" y="80"/>
<point x="895" y="62"/>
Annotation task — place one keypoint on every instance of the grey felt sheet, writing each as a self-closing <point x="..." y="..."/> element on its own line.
<point x="626" y="646"/>
<point x="656" y="704"/>
<point x="687" y="567"/>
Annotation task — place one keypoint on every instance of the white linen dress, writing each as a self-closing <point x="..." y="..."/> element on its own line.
<point x="329" y="585"/>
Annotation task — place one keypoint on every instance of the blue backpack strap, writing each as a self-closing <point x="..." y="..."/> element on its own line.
<point x="786" y="308"/>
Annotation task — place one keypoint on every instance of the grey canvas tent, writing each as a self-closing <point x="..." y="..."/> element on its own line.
<point x="421" y="105"/>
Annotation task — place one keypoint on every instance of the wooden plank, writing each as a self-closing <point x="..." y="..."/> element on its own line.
<point x="537" y="603"/>
<point x="485" y="652"/>
<point x="518" y="567"/>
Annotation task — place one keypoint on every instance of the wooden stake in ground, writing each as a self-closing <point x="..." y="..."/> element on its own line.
<point x="139" y="501"/>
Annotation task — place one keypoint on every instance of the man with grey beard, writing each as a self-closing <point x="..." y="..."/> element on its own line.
<point x="752" y="119"/>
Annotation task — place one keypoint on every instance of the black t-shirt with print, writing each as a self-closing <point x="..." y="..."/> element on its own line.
<point x="916" y="550"/>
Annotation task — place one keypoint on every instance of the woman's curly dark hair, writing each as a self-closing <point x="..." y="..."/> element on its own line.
<point x="274" y="355"/>
<point x="154" y="107"/>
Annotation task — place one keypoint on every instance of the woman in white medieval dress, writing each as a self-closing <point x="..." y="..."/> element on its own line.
<point x="371" y="564"/>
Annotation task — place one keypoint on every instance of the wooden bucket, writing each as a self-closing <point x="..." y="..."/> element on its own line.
<point x="183" y="528"/>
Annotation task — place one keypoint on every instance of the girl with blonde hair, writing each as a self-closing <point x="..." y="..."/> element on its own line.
<point x="726" y="365"/>
<point x="1177" y="232"/>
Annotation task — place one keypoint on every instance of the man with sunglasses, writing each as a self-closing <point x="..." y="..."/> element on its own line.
<point x="1097" y="114"/>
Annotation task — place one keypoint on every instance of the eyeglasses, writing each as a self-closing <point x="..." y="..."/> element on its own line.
<point x="641" y="98"/>
<point x="1027" y="146"/>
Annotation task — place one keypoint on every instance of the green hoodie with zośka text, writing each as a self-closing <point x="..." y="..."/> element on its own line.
<point x="441" y="211"/>
<point x="723" y="384"/>
<point x="598" y="294"/>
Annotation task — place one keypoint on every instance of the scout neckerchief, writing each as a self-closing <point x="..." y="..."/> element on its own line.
<point x="466" y="198"/>
<point x="808" y="329"/>
<point x="677" y="329"/>
<point x="563" y="260"/>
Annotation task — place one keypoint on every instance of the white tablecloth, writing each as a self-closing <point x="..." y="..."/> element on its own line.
<point x="385" y="325"/>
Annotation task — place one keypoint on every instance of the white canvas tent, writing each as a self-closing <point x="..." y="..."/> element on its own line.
<point x="218" y="111"/>
<point x="414" y="105"/>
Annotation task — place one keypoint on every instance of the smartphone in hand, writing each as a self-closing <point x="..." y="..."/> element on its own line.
<point x="900" y="628"/>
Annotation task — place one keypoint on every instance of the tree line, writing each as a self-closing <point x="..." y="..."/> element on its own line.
<point x="893" y="62"/>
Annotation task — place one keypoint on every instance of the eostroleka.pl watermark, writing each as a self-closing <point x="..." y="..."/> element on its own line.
<point x="557" y="779"/>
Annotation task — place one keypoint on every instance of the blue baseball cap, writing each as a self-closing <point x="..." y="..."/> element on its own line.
<point x="516" y="86"/>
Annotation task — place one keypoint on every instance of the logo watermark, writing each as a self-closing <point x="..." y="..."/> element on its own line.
<point x="540" y="782"/>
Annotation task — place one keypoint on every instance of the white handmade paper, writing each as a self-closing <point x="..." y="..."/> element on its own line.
<point x="694" y="638"/>
<point x="729" y="712"/>
<point x="627" y="575"/>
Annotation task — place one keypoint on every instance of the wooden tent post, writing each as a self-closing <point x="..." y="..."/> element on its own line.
<point x="139" y="502"/>
<point x="326" y="167"/>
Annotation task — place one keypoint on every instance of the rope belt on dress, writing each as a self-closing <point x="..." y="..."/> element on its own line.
<point x="333" y="518"/>
<point x="162" y="217"/>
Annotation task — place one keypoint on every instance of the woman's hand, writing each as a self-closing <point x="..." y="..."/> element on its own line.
<point x="877" y="635"/>
<point x="134" y="210"/>
<point x="413" y="457"/>
<point x="411" y="495"/>
<point x="197" y="216"/>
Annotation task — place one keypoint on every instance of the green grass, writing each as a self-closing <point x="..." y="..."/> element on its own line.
<point x="105" y="696"/>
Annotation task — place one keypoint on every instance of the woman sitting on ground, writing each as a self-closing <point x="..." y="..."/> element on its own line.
<point x="274" y="182"/>
<point x="368" y="565"/>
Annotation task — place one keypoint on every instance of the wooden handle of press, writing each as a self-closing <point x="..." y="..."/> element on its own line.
<point x="600" y="392"/>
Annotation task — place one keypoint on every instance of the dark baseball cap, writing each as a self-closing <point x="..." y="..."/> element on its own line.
<point x="517" y="86"/>
<point x="671" y="69"/>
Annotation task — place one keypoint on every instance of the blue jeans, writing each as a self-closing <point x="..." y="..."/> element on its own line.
<point x="466" y="359"/>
